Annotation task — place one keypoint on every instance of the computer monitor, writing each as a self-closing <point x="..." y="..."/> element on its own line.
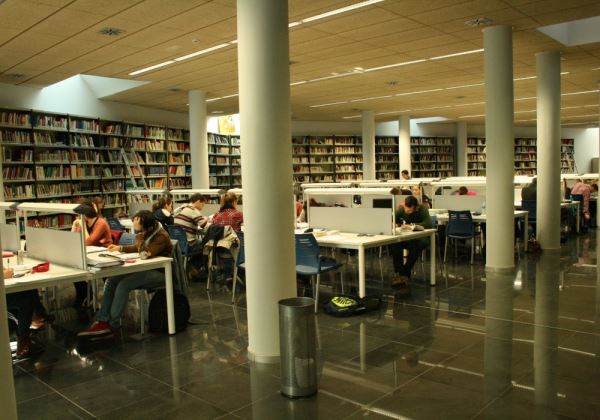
<point x="383" y="203"/>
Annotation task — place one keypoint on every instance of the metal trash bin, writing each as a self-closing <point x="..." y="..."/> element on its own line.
<point x="297" y="345"/>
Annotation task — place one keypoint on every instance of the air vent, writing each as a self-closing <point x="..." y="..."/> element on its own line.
<point x="391" y="83"/>
<point x="108" y="31"/>
<point x="14" y="76"/>
<point x="175" y="90"/>
<point x="480" y="21"/>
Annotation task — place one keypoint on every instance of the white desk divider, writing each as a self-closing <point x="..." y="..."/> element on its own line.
<point x="4" y="207"/>
<point x="358" y="220"/>
<point x="459" y="202"/>
<point x="10" y="237"/>
<point x="141" y="199"/>
<point x="56" y="246"/>
<point x="326" y="185"/>
<point x="64" y="248"/>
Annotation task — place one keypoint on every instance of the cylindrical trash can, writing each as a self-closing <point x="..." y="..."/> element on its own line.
<point x="297" y="345"/>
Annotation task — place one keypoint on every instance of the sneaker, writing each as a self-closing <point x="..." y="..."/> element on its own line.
<point x="97" y="328"/>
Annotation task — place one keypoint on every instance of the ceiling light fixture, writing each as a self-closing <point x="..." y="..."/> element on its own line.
<point x="213" y="99"/>
<point x="154" y="67"/>
<point x="351" y="116"/>
<point x="230" y="96"/>
<point x="470" y="104"/>
<point x="201" y="52"/>
<point x="340" y="10"/>
<point x="418" y="91"/>
<point x="394" y="112"/>
<point x="472" y="116"/>
<point x="301" y="82"/>
<point x="464" y="86"/>
<point x="524" y="112"/>
<point x="371" y="98"/>
<point x="389" y="66"/>
<point x="457" y="54"/>
<point x="580" y="93"/>
<point x="328" y="104"/>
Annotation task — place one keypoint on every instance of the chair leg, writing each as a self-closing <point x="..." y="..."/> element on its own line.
<point x="316" y="295"/>
<point x="235" y="271"/>
<point x="446" y="248"/>
<point x="342" y="280"/>
<point x="380" y="252"/>
<point x="472" y="248"/>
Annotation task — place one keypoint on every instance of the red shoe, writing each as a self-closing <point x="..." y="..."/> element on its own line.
<point x="97" y="328"/>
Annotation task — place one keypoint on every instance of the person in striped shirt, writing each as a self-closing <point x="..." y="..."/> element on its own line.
<point x="190" y="218"/>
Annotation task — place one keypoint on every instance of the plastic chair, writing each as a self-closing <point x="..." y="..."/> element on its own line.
<point x="239" y="263"/>
<point x="310" y="263"/>
<point x="114" y="224"/>
<point x="460" y="226"/>
<point x="177" y="233"/>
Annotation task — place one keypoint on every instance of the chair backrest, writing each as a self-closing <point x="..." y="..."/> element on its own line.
<point x="114" y="223"/>
<point x="307" y="250"/>
<point x="460" y="222"/>
<point x="180" y="281"/>
<point x="241" y="254"/>
<point x="177" y="233"/>
<point x="127" y="239"/>
<point x="530" y="206"/>
<point x="577" y="197"/>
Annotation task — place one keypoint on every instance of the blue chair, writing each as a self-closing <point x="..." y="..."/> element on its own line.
<point x="114" y="223"/>
<point x="239" y="263"/>
<point x="310" y="263"/>
<point x="177" y="233"/>
<point x="127" y="239"/>
<point x="460" y="226"/>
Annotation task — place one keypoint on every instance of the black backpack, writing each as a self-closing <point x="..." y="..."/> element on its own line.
<point x="351" y="305"/>
<point x="157" y="312"/>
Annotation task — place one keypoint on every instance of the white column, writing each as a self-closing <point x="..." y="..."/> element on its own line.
<point x="198" y="139"/>
<point x="404" y="143"/>
<point x="265" y="114"/>
<point x="499" y="132"/>
<point x="461" y="147"/>
<point x="8" y="401"/>
<point x="368" y="144"/>
<point x="548" y="150"/>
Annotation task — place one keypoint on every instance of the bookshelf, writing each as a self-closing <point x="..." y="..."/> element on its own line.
<point x="567" y="156"/>
<point x="476" y="156"/>
<point x="327" y="158"/>
<point x="235" y="161"/>
<point x="387" y="161"/>
<point x="526" y="156"/>
<point x="63" y="158"/>
<point x="219" y="161"/>
<point x="432" y="157"/>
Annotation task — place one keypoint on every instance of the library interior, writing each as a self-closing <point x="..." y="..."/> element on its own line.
<point x="283" y="209"/>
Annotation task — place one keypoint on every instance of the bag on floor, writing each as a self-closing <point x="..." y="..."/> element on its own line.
<point x="157" y="312"/>
<point x="351" y="305"/>
<point x="533" y="246"/>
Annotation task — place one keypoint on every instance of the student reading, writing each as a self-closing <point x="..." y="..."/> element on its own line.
<point x="412" y="212"/>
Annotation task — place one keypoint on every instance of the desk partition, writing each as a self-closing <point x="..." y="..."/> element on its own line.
<point x="56" y="246"/>
<point x="10" y="237"/>
<point x="359" y="220"/>
<point x="459" y="202"/>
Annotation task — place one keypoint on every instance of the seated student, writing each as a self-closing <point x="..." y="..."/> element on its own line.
<point x="464" y="191"/>
<point x="30" y="313"/>
<point x="190" y="218"/>
<point x="97" y="234"/>
<point x="405" y="175"/>
<point x="152" y="241"/>
<point x="228" y="214"/>
<point x="412" y="212"/>
<point x="529" y="193"/>
<point x="162" y="210"/>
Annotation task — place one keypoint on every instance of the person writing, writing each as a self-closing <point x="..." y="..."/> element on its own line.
<point x="411" y="213"/>
<point x="162" y="210"/>
<point x="228" y="214"/>
<point x="151" y="241"/>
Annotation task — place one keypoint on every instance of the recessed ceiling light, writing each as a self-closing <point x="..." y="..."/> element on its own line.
<point x="108" y="31"/>
<point x="217" y="112"/>
<point x="480" y="21"/>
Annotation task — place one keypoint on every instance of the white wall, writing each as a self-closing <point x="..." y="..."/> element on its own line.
<point x="75" y="97"/>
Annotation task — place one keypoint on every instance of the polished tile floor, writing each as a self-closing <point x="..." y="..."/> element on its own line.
<point x="522" y="346"/>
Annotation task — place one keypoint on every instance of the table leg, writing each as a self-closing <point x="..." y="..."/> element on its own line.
<point x="525" y="231"/>
<point x="362" y="288"/>
<point x="577" y="221"/>
<point x="433" y="260"/>
<point x="170" y="297"/>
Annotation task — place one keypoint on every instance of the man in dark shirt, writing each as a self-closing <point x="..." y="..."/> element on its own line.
<point x="411" y="213"/>
<point x="529" y="193"/>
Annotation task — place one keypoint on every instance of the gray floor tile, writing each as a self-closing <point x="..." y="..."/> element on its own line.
<point x="50" y="407"/>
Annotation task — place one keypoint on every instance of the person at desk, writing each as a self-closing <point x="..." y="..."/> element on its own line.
<point x="30" y="313"/>
<point x="412" y="212"/>
<point x="405" y="175"/>
<point x="228" y="214"/>
<point x="97" y="234"/>
<point x="582" y="192"/>
<point x="529" y="193"/>
<point x="163" y="210"/>
<point x="152" y="241"/>
<point x="464" y="191"/>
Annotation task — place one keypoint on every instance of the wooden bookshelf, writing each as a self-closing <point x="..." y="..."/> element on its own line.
<point x="567" y="156"/>
<point x="476" y="153"/>
<point x="387" y="160"/>
<point x="180" y="165"/>
<point x="432" y="157"/>
<point x="327" y="158"/>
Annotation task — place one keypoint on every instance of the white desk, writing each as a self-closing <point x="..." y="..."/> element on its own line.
<point x="54" y="276"/>
<point x="360" y="243"/>
<point x="563" y="205"/>
<point x="482" y="218"/>
<point x="145" y="265"/>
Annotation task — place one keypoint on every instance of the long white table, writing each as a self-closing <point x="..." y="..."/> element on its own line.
<point x="347" y="240"/>
<point x="442" y="218"/>
<point x="145" y="265"/>
<point x="563" y="205"/>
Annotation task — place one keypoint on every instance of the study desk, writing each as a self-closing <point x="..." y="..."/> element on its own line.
<point x="563" y="205"/>
<point x="442" y="218"/>
<point x="144" y="265"/>
<point x="361" y="243"/>
<point x="56" y="275"/>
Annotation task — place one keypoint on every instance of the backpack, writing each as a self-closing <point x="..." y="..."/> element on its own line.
<point x="351" y="305"/>
<point x="157" y="312"/>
